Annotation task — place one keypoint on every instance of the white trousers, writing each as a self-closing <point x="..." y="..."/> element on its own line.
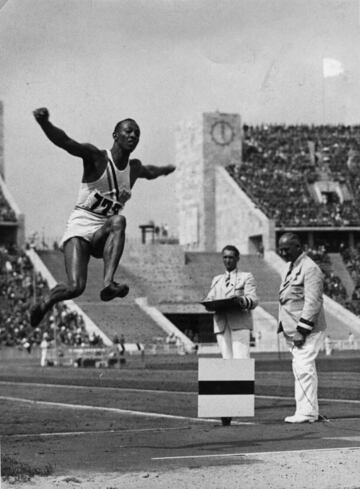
<point x="304" y="369"/>
<point x="234" y="344"/>
<point x="43" y="357"/>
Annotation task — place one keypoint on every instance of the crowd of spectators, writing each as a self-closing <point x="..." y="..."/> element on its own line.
<point x="20" y="286"/>
<point x="280" y="162"/>
<point x="351" y="257"/>
<point x="333" y="287"/>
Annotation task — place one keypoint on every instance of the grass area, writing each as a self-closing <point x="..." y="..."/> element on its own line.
<point x="12" y="469"/>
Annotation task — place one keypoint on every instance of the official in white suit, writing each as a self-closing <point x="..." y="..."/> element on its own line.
<point x="302" y="321"/>
<point x="232" y="325"/>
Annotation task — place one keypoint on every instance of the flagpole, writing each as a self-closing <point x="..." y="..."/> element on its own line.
<point x="323" y="97"/>
<point x="323" y="90"/>
<point x="331" y="68"/>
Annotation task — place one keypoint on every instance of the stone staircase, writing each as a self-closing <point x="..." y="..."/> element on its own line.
<point x="174" y="282"/>
<point x="120" y="316"/>
<point x="339" y="268"/>
<point x="160" y="269"/>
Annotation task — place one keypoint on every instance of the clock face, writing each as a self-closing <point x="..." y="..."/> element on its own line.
<point x="222" y="133"/>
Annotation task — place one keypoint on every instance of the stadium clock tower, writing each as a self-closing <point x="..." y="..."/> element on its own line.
<point x="210" y="140"/>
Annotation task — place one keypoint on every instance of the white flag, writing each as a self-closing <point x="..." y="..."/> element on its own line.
<point x="332" y="67"/>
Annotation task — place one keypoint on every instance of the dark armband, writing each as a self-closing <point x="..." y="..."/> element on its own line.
<point x="249" y="303"/>
<point x="305" y="326"/>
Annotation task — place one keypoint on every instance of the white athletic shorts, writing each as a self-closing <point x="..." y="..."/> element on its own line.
<point x="82" y="224"/>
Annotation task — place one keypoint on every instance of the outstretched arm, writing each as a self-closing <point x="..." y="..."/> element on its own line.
<point x="149" y="172"/>
<point x="60" y="138"/>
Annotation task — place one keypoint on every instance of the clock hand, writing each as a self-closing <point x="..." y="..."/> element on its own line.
<point x="222" y="125"/>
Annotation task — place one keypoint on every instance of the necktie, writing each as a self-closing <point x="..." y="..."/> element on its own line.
<point x="227" y="280"/>
<point x="286" y="280"/>
<point x="228" y="286"/>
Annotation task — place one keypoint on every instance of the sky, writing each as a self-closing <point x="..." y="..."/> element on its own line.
<point x="95" y="62"/>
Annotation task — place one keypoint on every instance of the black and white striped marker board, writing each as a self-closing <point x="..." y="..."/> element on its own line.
<point x="226" y="388"/>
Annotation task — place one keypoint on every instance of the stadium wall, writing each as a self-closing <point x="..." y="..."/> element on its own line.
<point x="238" y="220"/>
<point x="165" y="324"/>
<point x="2" y="164"/>
<point x="190" y="182"/>
<point x="16" y="230"/>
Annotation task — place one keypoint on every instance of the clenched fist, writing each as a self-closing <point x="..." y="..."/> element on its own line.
<point x="170" y="169"/>
<point x="41" y="115"/>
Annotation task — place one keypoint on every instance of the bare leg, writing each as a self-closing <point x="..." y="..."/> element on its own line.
<point x="76" y="255"/>
<point x="113" y="249"/>
<point x="109" y="241"/>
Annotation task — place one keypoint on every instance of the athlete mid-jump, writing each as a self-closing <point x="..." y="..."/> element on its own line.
<point x="96" y="226"/>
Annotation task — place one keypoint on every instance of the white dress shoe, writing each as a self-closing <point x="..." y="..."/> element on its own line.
<point x="300" y="418"/>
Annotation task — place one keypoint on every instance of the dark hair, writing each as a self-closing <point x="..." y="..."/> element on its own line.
<point x="116" y="128"/>
<point x="292" y="237"/>
<point x="231" y="248"/>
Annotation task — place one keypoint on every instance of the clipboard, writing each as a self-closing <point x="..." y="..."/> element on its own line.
<point x="221" y="303"/>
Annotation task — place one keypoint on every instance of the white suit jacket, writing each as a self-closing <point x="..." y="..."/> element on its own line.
<point x="301" y="298"/>
<point x="241" y="284"/>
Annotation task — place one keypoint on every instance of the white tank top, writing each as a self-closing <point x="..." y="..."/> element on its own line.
<point x="107" y="195"/>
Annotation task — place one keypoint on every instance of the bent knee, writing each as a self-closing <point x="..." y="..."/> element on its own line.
<point x="76" y="288"/>
<point x="118" y="223"/>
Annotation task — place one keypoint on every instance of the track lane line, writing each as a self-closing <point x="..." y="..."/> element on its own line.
<point x="252" y="454"/>
<point x="118" y="411"/>
<point x="93" y="432"/>
<point x="130" y="389"/>
<point x="150" y="391"/>
<point x="286" y="398"/>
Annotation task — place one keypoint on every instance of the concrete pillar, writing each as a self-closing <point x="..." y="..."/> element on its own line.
<point x="310" y="239"/>
<point x="351" y="243"/>
<point x="2" y="158"/>
<point x="202" y="144"/>
<point x="20" y="233"/>
<point x="222" y="147"/>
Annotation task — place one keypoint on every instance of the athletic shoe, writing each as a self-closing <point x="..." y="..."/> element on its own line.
<point x="114" y="290"/>
<point x="36" y="314"/>
<point x="300" y="418"/>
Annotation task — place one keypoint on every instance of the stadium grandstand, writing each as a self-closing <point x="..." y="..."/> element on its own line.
<point x="314" y="165"/>
<point x="235" y="184"/>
